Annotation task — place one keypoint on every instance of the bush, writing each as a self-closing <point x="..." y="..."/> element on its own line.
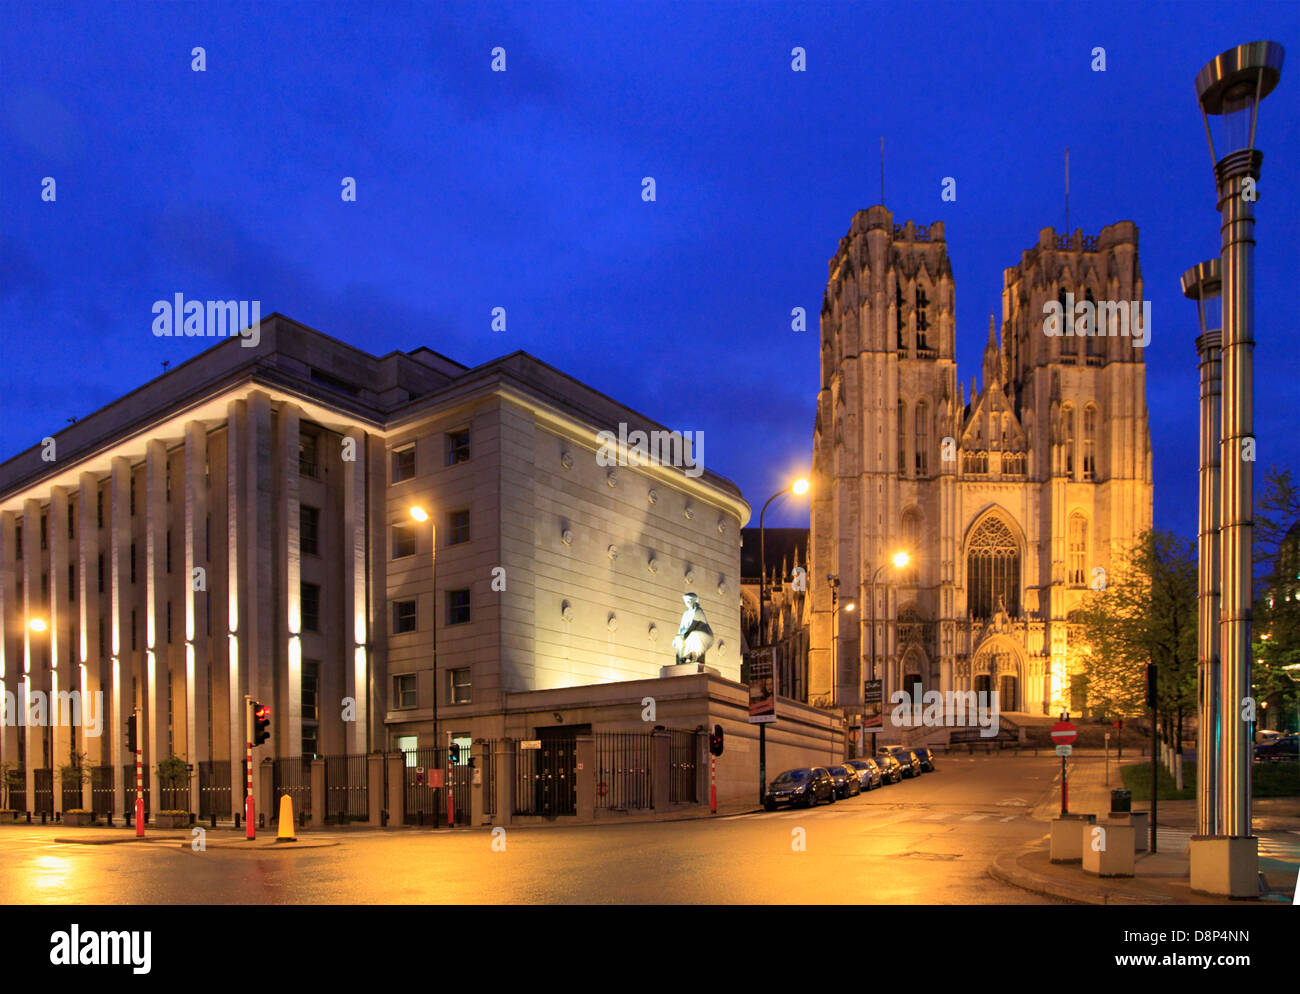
<point x="1267" y="780"/>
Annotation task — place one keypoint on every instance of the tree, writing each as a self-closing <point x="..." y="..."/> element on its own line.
<point x="1145" y="614"/>
<point x="1276" y="629"/>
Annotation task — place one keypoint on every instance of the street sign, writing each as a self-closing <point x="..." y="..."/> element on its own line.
<point x="1064" y="750"/>
<point x="1063" y="733"/>
<point x="530" y="744"/>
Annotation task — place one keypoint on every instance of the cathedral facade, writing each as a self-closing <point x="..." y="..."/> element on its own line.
<point x="1010" y="499"/>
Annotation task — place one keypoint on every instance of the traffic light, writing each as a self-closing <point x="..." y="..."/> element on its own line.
<point x="715" y="741"/>
<point x="1151" y="685"/>
<point x="130" y="734"/>
<point x="261" y="722"/>
<point x="453" y="754"/>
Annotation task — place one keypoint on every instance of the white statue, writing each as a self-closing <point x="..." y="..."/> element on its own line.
<point x="694" y="636"/>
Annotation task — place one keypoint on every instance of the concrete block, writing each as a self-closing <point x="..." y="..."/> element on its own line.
<point x="1108" y="849"/>
<point x="1067" y="837"/>
<point x="1227" y="867"/>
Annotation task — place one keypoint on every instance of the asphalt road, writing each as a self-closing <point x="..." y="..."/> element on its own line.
<point x="923" y="841"/>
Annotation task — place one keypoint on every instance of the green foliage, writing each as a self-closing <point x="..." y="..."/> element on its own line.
<point x="1146" y="614"/>
<point x="173" y="772"/>
<point x="1276" y="629"/>
<point x="1267" y="780"/>
<point x="76" y="771"/>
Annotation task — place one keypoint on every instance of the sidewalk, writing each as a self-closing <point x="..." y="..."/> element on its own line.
<point x="1160" y="878"/>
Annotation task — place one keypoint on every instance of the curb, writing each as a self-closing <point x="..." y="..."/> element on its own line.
<point x="1007" y="869"/>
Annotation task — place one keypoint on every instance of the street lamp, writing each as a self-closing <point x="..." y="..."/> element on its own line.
<point x="899" y="560"/>
<point x="421" y="515"/>
<point x="38" y="625"/>
<point x="798" y="487"/>
<point x="1229" y="89"/>
<point x="1203" y="283"/>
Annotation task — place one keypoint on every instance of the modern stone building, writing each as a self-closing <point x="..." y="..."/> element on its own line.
<point x="242" y="526"/>
<point x="1010" y="498"/>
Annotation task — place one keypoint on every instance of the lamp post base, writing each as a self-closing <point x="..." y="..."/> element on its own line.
<point x="1225" y="866"/>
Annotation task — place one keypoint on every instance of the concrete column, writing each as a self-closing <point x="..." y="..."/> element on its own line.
<point x="505" y="781"/>
<point x="317" y="792"/>
<point x="357" y="672"/>
<point x="586" y="774"/>
<point x="90" y="662"/>
<point x="259" y="598"/>
<point x="396" y="788"/>
<point x="236" y="636"/>
<point x="289" y="740"/>
<point x="481" y="752"/>
<point x="61" y="620"/>
<point x="375" y="793"/>
<point x="34" y="645"/>
<point x="661" y="776"/>
<point x="155" y="639"/>
<point x="198" y="656"/>
<point x="119" y="546"/>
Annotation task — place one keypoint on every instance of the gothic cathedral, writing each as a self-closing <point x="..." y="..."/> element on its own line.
<point x="1009" y="500"/>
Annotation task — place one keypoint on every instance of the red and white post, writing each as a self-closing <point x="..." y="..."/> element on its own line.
<point x="250" y="805"/>
<point x="713" y="784"/>
<point x="139" y="777"/>
<point x="451" y="806"/>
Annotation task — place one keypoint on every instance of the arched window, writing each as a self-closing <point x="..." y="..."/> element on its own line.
<point x="1067" y="438"/>
<point x="1067" y="326"/>
<point x="898" y="312"/>
<point x="902" y="438"/>
<point x="1078" y="549"/>
<point x="992" y="571"/>
<point x="922" y="325"/>
<point x="1096" y="346"/>
<point x="912" y="546"/>
<point x="922" y="437"/>
<point x="1089" y="442"/>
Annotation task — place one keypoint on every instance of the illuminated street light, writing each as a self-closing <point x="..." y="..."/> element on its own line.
<point x="901" y="559"/>
<point x="800" y="487"/>
<point x="419" y="514"/>
<point x="37" y="625"/>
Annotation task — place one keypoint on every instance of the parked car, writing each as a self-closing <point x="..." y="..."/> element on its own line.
<point x="907" y="760"/>
<point x="927" y="759"/>
<point x="868" y="772"/>
<point x="1283" y="749"/>
<point x="847" y="783"/>
<point x="803" y="786"/>
<point x="890" y="769"/>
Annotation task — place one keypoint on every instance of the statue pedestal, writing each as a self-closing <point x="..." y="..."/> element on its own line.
<point x="686" y="669"/>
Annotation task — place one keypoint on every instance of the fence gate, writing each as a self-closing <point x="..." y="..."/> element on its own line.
<point x="43" y="787"/>
<point x="546" y="780"/>
<point x="624" y="770"/>
<point x="347" y="780"/>
<point x="214" y="787"/>
<point x="101" y="790"/>
<point x="291" y="775"/>
<point x="683" y="757"/>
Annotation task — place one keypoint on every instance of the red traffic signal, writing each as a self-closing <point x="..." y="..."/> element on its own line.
<point x="715" y="741"/>
<point x="261" y="722"/>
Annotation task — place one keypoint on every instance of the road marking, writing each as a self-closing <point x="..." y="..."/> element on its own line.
<point x="974" y="817"/>
<point x="1007" y="818"/>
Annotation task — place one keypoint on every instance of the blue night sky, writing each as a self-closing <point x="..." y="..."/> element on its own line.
<point x="523" y="190"/>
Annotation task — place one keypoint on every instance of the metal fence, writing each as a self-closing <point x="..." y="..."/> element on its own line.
<point x="624" y="770"/>
<point x="18" y="790"/>
<point x="215" y="787"/>
<point x="347" y="782"/>
<point x="428" y="805"/>
<point x="291" y="776"/>
<point x="101" y="790"/>
<point x="683" y="758"/>
<point x="545" y="778"/>
<point x="43" y="787"/>
<point x="174" y="796"/>
<point x="128" y="790"/>
<point x="71" y="788"/>
<point x="490" y="780"/>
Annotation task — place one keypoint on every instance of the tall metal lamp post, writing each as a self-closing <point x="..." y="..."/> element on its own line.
<point x="1229" y="89"/>
<point x="798" y="487"/>
<point x="899" y="561"/>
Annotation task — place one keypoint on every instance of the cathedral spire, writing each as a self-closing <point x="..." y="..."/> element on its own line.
<point x="992" y="359"/>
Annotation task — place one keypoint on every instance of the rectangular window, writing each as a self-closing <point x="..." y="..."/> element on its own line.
<point x="101" y="638"/>
<point x="310" y="598"/>
<point x="403" y="540"/>
<point x="169" y="622"/>
<point x="310" y="708"/>
<point x="309" y="530"/>
<point x="133" y="562"/>
<point x="404" y="463"/>
<point x="457" y="447"/>
<point x="457" y="527"/>
<point x="18" y="543"/>
<point x="457" y="607"/>
<point x="44" y="540"/>
<point x="45" y="588"/>
<point x="405" y="691"/>
<point x="459" y="685"/>
<point x="99" y="572"/>
<point x="72" y="521"/>
<point x="307" y="455"/>
<point x="133" y="642"/>
<point x="403" y="617"/>
<point x="99" y="509"/>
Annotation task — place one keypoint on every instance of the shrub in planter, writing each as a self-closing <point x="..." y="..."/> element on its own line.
<point x="172" y="819"/>
<point x="9" y="814"/>
<point x="78" y="816"/>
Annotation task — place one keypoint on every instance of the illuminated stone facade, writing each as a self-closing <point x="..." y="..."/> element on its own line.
<point x="1011" y="499"/>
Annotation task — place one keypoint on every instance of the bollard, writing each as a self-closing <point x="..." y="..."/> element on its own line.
<point x="108" y="818"/>
<point x="236" y="821"/>
<point x="419" y="818"/>
<point x="214" y="821"/>
<point x="42" y="817"/>
<point x="128" y="819"/>
<point x="29" y="817"/>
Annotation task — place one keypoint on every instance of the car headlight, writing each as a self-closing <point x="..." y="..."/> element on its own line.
<point x="801" y="789"/>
